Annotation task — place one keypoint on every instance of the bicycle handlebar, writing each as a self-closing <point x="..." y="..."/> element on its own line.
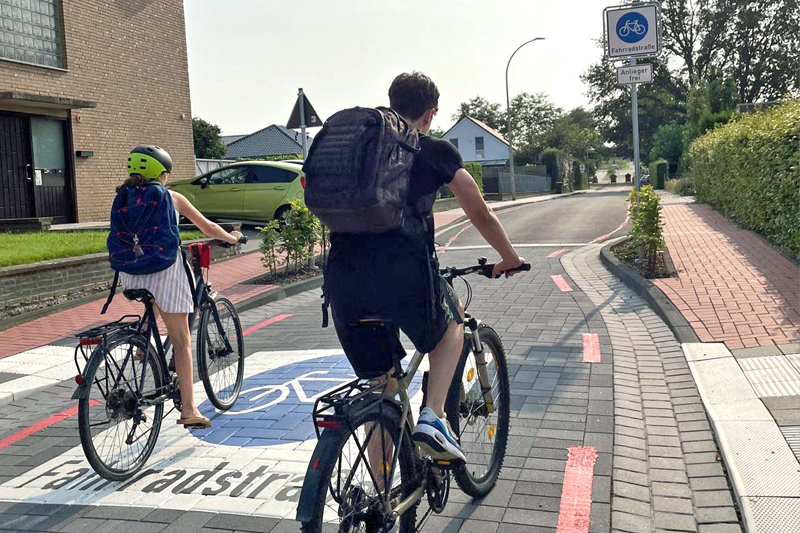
<point x="225" y="244"/>
<point x="483" y="268"/>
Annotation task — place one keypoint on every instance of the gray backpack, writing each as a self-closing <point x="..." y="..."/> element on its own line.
<point x="358" y="171"/>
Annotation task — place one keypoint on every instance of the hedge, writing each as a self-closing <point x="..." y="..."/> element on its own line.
<point x="558" y="167"/>
<point x="749" y="170"/>
<point x="476" y="171"/>
<point x="659" y="170"/>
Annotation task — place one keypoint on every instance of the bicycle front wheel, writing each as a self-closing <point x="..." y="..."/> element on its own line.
<point x="118" y="430"/>
<point x="483" y="430"/>
<point x="220" y="353"/>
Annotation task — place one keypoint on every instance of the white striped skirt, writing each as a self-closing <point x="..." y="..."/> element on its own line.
<point x="170" y="287"/>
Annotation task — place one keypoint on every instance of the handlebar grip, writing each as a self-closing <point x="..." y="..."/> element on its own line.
<point x="524" y="267"/>
<point x="243" y="239"/>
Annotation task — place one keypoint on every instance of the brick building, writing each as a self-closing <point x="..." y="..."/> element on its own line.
<point x="81" y="83"/>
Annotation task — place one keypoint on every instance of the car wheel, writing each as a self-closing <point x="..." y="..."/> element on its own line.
<point x="280" y="215"/>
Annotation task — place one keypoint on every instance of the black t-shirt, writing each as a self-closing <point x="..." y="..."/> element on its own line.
<point x="436" y="165"/>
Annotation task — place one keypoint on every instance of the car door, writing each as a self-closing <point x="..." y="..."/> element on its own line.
<point x="223" y="194"/>
<point x="266" y="191"/>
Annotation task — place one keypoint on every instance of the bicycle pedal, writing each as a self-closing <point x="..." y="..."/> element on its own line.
<point x="447" y="464"/>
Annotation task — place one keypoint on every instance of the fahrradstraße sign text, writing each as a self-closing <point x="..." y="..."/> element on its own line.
<point x="632" y="31"/>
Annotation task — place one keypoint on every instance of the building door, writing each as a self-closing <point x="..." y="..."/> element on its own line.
<point x="16" y="168"/>
<point x="52" y="180"/>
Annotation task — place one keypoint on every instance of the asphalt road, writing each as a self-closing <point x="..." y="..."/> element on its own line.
<point x="575" y="220"/>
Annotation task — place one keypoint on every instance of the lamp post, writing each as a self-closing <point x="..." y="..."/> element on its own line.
<point x="508" y="119"/>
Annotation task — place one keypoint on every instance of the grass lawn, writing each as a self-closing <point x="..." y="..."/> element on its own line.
<point x="25" y="248"/>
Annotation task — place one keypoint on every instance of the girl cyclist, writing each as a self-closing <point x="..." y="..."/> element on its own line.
<point x="171" y="288"/>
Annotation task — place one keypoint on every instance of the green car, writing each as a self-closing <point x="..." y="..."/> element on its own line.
<point x="251" y="190"/>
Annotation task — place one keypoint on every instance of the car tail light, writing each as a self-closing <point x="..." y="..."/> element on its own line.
<point x="303" y="181"/>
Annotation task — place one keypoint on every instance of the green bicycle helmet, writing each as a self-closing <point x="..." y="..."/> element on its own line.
<point x="149" y="161"/>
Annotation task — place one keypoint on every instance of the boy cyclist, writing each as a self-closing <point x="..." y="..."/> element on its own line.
<point x="395" y="276"/>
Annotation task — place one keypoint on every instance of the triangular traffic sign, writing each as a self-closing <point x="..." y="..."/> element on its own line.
<point x="313" y="120"/>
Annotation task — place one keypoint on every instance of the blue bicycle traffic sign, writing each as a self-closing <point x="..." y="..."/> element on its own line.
<point x="631" y="31"/>
<point x="632" y="27"/>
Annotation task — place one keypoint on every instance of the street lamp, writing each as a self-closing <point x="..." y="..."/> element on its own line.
<point x="508" y="119"/>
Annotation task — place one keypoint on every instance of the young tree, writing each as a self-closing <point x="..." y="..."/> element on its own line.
<point x="207" y="140"/>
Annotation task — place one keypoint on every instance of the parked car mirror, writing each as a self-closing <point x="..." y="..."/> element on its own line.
<point x="203" y="183"/>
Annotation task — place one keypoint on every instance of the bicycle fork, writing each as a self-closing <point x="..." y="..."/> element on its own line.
<point x="480" y="362"/>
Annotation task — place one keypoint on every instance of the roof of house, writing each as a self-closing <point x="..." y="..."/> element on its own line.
<point x="494" y="133"/>
<point x="272" y="140"/>
<point x="228" y="139"/>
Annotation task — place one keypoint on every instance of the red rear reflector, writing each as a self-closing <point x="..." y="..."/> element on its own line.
<point x="315" y="465"/>
<point x="89" y="342"/>
<point x="327" y="424"/>
<point x="303" y="181"/>
<point x="79" y="379"/>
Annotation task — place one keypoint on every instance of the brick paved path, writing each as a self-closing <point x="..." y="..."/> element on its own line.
<point x="666" y="473"/>
<point x="732" y="286"/>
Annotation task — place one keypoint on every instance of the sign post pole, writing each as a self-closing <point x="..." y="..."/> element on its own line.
<point x="301" y="98"/>
<point x="635" y="120"/>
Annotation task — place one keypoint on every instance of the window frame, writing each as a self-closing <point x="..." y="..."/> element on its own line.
<point x="454" y="142"/>
<point x="480" y="153"/>
<point x="245" y="170"/>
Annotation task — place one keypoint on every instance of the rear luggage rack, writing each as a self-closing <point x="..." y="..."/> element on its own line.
<point x="98" y="334"/>
<point x="339" y="404"/>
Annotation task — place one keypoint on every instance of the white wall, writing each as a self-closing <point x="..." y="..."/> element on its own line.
<point x="466" y="131"/>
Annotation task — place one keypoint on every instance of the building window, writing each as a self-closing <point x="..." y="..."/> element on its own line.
<point x="455" y="142"/>
<point x="30" y="31"/>
<point x="479" y="148"/>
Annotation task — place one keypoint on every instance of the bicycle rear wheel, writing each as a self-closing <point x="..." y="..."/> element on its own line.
<point x="220" y="353"/>
<point x="483" y="435"/>
<point x="118" y="433"/>
<point x="352" y="498"/>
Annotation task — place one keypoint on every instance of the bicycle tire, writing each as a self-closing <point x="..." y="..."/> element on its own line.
<point x="480" y="486"/>
<point x="331" y="446"/>
<point x="98" y="363"/>
<point x="211" y="376"/>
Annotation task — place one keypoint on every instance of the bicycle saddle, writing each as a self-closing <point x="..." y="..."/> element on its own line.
<point x="137" y="294"/>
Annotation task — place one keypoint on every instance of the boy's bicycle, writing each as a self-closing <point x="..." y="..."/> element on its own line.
<point x="366" y="474"/>
<point x="126" y="379"/>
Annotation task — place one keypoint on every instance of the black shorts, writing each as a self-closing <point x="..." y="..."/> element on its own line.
<point x="401" y="286"/>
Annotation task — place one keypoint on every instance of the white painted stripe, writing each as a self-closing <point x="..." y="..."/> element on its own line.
<point x="527" y="245"/>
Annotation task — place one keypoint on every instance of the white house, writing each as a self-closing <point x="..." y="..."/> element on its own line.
<point x="477" y="142"/>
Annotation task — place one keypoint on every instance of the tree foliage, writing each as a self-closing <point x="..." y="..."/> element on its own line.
<point x="490" y="113"/>
<point x="532" y="115"/>
<point x="207" y="140"/>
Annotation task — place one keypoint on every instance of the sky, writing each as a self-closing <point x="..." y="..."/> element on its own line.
<point x="247" y="58"/>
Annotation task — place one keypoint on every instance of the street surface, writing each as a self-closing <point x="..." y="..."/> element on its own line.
<point x="602" y="403"/>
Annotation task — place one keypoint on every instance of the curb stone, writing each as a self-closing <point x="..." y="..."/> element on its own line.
<point x="655" y="297"/>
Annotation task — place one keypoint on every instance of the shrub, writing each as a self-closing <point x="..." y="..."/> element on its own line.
<point x="682" y="186"/>
<point x="557" y="167"/>
<point x="749" y="169"/>
<point x="270" y="237"/>
<point x="476" y="171"/>
<point x="659" y="170"/>
<point x="299" y="235"/>
<point x="646" y="230"/>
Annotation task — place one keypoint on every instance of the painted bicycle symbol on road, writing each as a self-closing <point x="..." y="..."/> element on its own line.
<point x="265" y="396"/>
<point x="632" y="27"/>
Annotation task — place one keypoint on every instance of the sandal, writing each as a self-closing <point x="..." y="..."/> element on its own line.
<point x="195" y="422"/>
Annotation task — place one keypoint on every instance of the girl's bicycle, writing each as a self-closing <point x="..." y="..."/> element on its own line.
<point x="126" y="379"/>
<point x="366" y="474"/>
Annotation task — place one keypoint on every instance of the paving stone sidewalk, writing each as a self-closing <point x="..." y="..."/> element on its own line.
<point x="732" y="286"/>
<point x="667" y="473"/>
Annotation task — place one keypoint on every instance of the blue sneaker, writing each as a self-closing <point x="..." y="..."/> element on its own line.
<point x="435" y="437"/>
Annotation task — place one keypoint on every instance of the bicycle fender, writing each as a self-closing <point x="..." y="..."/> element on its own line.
<point x="81" y="392"/>
<point x="326" y="452"/>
